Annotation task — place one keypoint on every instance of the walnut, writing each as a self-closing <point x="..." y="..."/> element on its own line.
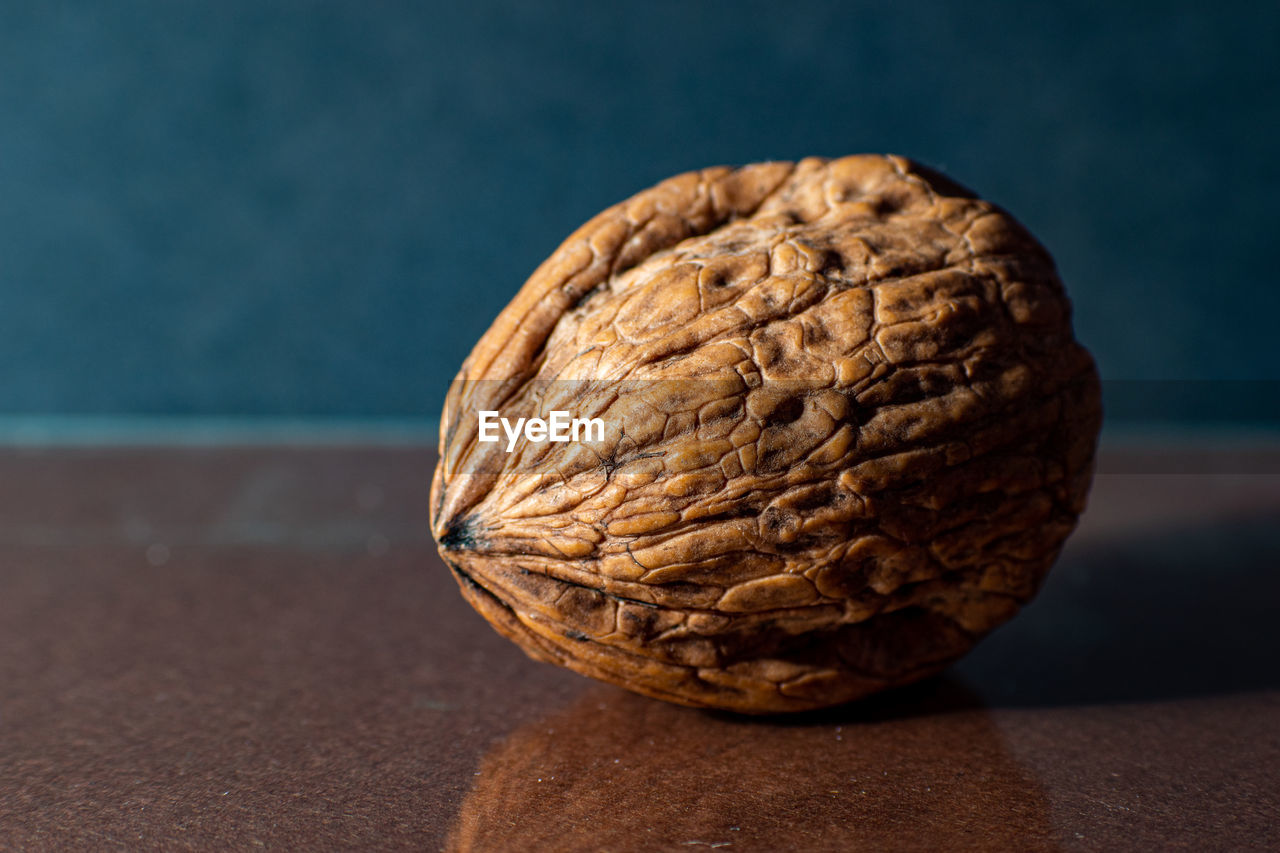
<point x="846" y="430"/>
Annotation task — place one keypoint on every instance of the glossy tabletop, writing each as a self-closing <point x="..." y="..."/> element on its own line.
<point x="233" y="648"/>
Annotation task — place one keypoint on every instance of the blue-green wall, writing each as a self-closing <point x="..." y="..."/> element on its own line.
<point x="297" y="209"/>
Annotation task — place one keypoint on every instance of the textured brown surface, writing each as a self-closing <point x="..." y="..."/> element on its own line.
<point x="847" y="430"/>
<point x="294" y="670"/>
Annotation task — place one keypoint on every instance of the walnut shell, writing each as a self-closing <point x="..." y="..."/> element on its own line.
<point x="847" y="430"/>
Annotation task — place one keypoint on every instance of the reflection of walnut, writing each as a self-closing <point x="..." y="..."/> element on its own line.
<point x="847" y="431"/>
<point x="585" y="778"/>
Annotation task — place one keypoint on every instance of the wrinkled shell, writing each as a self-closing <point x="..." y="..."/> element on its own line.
<point x="848" y="429"/>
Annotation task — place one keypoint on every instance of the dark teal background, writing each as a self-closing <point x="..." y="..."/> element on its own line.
<point x="313" y="209"/>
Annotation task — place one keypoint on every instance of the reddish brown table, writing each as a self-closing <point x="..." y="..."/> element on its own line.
<point x="234" y="648"/>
